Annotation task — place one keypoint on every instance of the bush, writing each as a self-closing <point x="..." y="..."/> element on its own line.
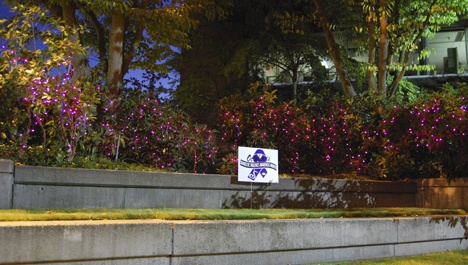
<point x="142" y="132"/>
<point x="255" y="119"/>
<point x="368" y="135"/>
<point x="433" y="134"/>
<point x="147" y="132"/>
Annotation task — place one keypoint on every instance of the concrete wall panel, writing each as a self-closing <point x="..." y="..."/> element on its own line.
<point x="6" y="183"/>
<point x="41" y="196"/>
<point x="220" y="242"/>
<point x="429" y="247"/>
<point x="81" y="241"/>
<point x="172" y="198"/>
<point x="432" y="228"/>
<point x="76" y="188"/>
<point x="132" y="261"/>
<point x="280" y="235"/>
<point x="290" y="257"/>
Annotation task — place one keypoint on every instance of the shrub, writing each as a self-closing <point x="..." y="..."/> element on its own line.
<point x="42" y="109"/>
<point x="305" y="144"/>
<point x="147" y="132"/>
<point x="256" y="120"/>
<point x="436" y="134"/>
<point x="368" y="135"/>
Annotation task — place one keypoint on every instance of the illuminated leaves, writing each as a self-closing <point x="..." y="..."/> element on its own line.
<point x="394" y="28"/>
<point x="159" y="136"/>
<point x="35" y="55"/>
<point x="369" y="135"/>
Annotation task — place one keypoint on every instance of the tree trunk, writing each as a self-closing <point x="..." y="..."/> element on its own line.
<point x="114" y="73"/>
<point x="334" y="52"/>
<point x="383" y="49"/>
<point x="399" y="74"/>
<point x="135" y="43"/>
<point x="294" y="79"/>
<point x="371" y="55"/>
<point x="100" y="38"/>
<point x="80" y="64"/>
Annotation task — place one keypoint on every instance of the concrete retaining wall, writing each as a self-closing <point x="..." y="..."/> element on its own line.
<point x="43" y="187"/>
<point x="216" y="242"/>
<point x="227" y="242"/>
<point x="6" y="183"/>
<point x="442" y="193"/>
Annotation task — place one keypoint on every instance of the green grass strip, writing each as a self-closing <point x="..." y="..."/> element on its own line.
<point x="456" y="257"/>
<point x="213" y="214"/>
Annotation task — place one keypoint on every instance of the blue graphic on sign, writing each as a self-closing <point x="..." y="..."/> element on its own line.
<point x="259" y="163"/>
<point x="255" y="172"/>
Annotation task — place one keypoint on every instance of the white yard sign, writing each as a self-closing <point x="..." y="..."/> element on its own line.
<point x="257" y="165"/>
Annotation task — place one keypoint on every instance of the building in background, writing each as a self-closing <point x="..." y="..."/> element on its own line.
<point x="449" y="49"/>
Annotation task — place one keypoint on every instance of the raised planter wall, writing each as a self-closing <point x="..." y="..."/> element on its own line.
<point x="6" y="183"/>
<point x="143" y="242"/>
<point x="43" y="187"/>
<point x="442" y="193"/>
<point x="227" y="242"/>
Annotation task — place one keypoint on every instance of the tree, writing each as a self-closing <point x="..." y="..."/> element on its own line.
<point x="292" y="54"/>
<point x="219" y="61"/>
<point x="393" y="29"/>
<point x="138" y="34"/>
<point x="220" y="64"/>
<point x="345" y="80"/>
<point x="66" y="11"/>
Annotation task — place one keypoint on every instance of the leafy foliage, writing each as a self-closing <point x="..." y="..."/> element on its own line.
<point x="368" y="135"/>
<point x="144" y="131"/>
<point x="48" y="118"/>
<point x="42" y="105"/>
<point x="386" y="31"/>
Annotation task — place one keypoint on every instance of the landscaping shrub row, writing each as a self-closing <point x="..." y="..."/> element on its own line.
<point x="367" y="135"/>
<point x="325" y="134"/>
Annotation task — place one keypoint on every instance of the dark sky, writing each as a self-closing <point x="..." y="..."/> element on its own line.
<point x="4" y="11"/>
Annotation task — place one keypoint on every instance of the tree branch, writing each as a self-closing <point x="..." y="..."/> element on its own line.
<point x="135" y="42"/>
<point x="101" y="40"/>
<point x="417" y="38"/>
<point x="334" y="52"/>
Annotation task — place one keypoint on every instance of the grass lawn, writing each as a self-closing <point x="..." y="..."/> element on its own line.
<point x="457" y="257"/>
<point x="213" y="214"/>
